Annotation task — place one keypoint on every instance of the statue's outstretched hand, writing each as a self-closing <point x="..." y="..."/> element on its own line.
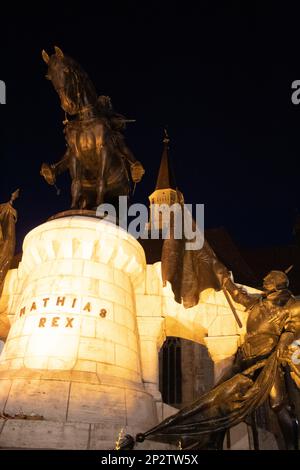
<point x="48" y="173"/>
<point x="222" y="273"/>
<point x="137" y="171"/>
<point x="285" y="341"/>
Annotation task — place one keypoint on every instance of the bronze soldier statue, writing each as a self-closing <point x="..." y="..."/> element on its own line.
<point x="257" y="373"/>
<point x="8" y="218"/>
<point x="101" y="165"/>
<point x="271" y="324"/>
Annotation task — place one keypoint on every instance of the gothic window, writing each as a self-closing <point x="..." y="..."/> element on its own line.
<point x="185" y="371"/>
<point x="170" y="371"/>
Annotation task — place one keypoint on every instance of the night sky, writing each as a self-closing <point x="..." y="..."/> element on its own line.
<point x="219" y="78"/>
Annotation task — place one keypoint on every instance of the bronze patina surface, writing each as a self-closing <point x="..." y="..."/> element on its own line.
<point x="8" y="219"/>
<point x="257" y="374"/>
<point x="101" y="165"/>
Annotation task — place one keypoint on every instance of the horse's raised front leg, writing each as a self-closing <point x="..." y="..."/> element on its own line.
<point x="75" y="171"/>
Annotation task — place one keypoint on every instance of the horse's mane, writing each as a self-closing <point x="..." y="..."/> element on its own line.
<point x="79" y="87"/>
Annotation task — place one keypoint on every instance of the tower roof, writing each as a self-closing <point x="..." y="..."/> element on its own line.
<point x="166" y="178"/>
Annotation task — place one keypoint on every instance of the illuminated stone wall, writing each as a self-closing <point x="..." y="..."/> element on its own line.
<point x="88" y="318"/>
<point x="72" y="354"/>
<point x="210" y="323"/>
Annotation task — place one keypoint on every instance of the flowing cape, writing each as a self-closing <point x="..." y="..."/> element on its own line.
<point x="223" y="407"/>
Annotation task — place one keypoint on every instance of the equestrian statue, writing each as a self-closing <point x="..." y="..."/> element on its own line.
<point x="101" y="165"/>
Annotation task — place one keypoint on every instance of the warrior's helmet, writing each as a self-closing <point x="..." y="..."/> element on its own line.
<point x="276" y="280"/>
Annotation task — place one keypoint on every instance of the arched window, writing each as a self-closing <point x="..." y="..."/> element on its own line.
<point x="170" y="371"/>
<point x="185" y="371"/>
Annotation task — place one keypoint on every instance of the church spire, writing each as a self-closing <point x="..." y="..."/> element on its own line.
<point x="166" y="178"/>
<point x="166" y="192"/>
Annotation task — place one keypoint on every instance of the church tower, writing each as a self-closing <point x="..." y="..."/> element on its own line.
<point x="166" y="192"/>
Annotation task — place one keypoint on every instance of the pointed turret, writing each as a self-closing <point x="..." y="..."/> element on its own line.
<point x="166" y="191"/>
<point x="166" y="177"/>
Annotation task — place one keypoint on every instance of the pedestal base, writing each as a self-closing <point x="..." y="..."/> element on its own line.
<point x="70" y="410"/>
<point x="27" y="434"/>
<point x="71" y="363"/>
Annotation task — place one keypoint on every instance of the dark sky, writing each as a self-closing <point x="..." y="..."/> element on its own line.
<point x="220" y="78"/>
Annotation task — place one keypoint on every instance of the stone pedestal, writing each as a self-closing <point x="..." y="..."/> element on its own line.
<point x="72" y="355"/>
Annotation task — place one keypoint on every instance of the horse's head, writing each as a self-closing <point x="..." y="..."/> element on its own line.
<point x="72" y="84"/>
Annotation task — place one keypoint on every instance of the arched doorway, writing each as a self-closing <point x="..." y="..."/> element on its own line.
<point x="185" y="371"/>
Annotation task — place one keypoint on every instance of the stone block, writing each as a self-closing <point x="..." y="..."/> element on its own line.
<point x="221" y="347"/>
<point x="92" y="403"/>
<point x="15" y="347"/>
<point x="47" y="398"/>
<point x="111" y="292"/>
<point x="49" y="343"/>
<point x="86" y="366"/>
<point x="140" y="409"/>
<point x="26" y="434"/>
<point x="28" y="324"/>
<point x="112" y="374"/>
<point x="153" y="282"/>
<point x="93" y="349"/>
<point x="124" y="316"/>
<point x="98" y="271"/>
<point x="17" y="327"/>
<point x="104" y="435"/>
<point x="210" y="313"/>
<point x="170" y="307"/>
<point x="115" y="332"/>
<point x="127" y="358"/>
<point x="66" y="267"/>
<point x="130" y="302"/>
<point x="91" y="306"/>
<point x="132" y="340"/>
<point x="88" y="327"/>
<point x="223" y="325"/>
<point x="17" y="363"/>
<point x="122" y="279"/>
<point x="4" y="391"/>
<point x="148" y="305"/>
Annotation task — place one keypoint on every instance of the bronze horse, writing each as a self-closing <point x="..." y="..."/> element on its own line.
<point x="100" y="164"/>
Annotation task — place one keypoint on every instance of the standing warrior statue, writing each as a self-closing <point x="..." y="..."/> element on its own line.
<point x="8" y="218"/>
<point x="100" y="164"/>
<point x="273" y="328"/>
<point x="258" y="373"/>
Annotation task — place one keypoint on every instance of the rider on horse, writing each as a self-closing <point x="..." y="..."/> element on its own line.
<point x="97" y="155"/>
